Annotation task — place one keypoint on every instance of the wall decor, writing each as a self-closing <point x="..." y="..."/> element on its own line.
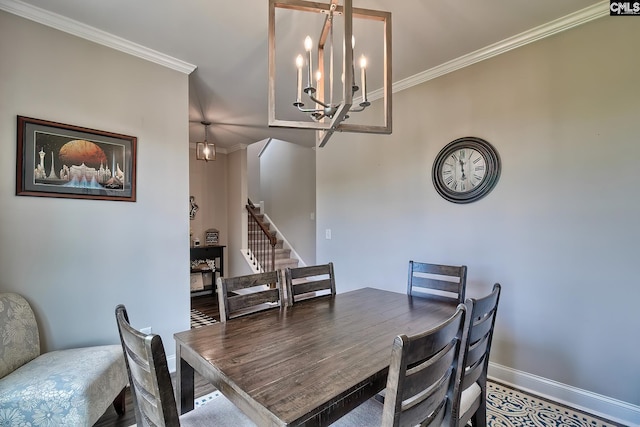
<point x="60" y="160"/>
<point x="193" y="208"/>
<point x="466" y="170"/>
<point x="212" y="236"/>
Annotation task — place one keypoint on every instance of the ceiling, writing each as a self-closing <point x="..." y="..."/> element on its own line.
<point x="227" y="42"/>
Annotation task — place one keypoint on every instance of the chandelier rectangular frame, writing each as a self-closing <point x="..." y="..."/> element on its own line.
<point x="328" y="125"/>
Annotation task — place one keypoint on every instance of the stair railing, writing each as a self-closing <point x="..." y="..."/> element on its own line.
<point x="262" y="244"/>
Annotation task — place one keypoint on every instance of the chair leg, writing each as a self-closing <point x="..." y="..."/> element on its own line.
<point x="119" y="403"/>
<point x="479" y="418"/>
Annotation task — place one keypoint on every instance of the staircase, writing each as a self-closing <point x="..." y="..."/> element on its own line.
<point x="283" y="256"/>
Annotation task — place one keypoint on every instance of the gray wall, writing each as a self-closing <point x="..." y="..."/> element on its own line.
<point x="560" y="230"/>
<point x="74" y="260"/>
<point x="287" y="187"/>
<point x="253" y="170"/>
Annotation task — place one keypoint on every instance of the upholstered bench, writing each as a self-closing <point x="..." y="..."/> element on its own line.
<point x="63" y="388"/>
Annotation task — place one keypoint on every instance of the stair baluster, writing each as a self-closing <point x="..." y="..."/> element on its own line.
<point x="262" y="243"/>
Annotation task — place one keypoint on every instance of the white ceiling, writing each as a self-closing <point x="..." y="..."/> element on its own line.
<point x="227" y="42"/>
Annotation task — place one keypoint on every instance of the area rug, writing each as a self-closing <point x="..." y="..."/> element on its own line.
<point x="513" y="408"/>
<point x="506" y="407"/>
<point x="199" y="319"/>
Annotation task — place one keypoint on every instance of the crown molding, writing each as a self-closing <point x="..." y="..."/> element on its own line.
<point x="559" y="25"/>
<point x="95" y="35"/>
<point x="237" y="147"/>
<point x="79" y="29"/>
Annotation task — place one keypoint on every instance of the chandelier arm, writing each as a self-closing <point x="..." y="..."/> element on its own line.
<point x="317" y="101"/>
<point x="309" y="110"/>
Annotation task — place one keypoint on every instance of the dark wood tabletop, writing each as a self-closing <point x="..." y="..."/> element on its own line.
<point x="308" y="364"/>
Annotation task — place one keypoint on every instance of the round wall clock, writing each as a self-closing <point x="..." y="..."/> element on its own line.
<point x="466" y="170"/>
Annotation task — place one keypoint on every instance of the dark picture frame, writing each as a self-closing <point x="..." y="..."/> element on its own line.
<point x="67" y="161"/>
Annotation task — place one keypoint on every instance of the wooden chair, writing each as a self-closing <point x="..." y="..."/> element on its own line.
<point x="152" y="389"/>
<point x="423" y="375"/>
<point x="435" y="279"/>
<point x="308" y="281"/>
<point x="241" y="295"/>
<point x="472" y="393"/>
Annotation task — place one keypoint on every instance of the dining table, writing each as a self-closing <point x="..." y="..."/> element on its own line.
<point x="306" y="364"/>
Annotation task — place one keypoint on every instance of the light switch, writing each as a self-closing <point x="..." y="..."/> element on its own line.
<point x="327" y="234"/>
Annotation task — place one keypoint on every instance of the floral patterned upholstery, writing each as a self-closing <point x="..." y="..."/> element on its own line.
<point x="60" y="388"/>
<point x="19" y="340"/>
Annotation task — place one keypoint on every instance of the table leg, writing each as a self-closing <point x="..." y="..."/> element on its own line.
<point x="184" y="383"/>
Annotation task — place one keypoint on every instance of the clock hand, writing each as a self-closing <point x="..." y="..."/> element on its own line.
<point x="462" y="169"/>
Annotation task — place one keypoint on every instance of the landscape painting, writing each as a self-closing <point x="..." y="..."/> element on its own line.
<point x="59" y="160"/>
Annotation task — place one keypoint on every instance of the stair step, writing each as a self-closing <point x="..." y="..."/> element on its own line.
<point x="286" y="262"/>
<point x="280" y="252"/>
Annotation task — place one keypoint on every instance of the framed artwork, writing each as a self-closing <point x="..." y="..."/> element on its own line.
<point x="59" y="160"/>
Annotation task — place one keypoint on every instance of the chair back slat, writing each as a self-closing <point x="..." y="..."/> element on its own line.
<point x="429" y="283"/>
<point x="431" y="371"/>
<point x="151" y="387"/>
<point x="472" y="374"/>
<point x="435" y="406"/>
<point x="305" y="282"/>
<point x="312" y="286"/>
<point x="481" y="328"/>
<point x="241" y="295"/>
<point x="423" y="373"/>
<point x="239" y="302"/>
<point x="447" y="281"/>
<point x="477" y="352"/>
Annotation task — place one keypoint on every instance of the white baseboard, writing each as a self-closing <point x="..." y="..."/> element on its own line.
<point x="171" y="363"/>
<point x="593" y="403"/>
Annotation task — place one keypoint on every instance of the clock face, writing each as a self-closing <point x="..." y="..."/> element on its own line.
<point x="466" y="170"/>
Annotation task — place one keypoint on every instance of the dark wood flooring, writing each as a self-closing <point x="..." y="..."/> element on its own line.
<point x="206" y="304"/>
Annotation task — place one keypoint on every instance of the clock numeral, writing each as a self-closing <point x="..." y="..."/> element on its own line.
<point x="479" y="168"/>
<point x="448" y="180"/>
<point x="455" y="185"/>
<point x="477" y="160"/>
<point x="477" y="177"/>
<point x="462" y="154"/>
<point x="455" y="158"/>
<point x="462" y="186"/>
<point x="447" y="172"/>
<point x="449" y="164"/>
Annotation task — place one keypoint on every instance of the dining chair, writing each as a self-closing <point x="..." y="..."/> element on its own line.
<point x="421" y="384"/>
<point x="437" y="279"/>
<point x="242" y="295"/>
<point x="472" y="392"/>
<point x="309" y="282"/>
<point x="152" y="389"/>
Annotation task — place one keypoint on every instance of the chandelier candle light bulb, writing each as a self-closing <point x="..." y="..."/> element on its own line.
<point x="363" y="77"/>
<point x="323" y="114"/>
<point x="307" y="46"/>
<point x="299" y="64"/>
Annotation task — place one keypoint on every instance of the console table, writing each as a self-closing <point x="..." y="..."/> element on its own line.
<point x="209" y="252"/>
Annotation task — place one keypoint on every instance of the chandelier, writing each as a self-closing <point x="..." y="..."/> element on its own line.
<point x="327" y="89"/>
<point x="204" y="150"/>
